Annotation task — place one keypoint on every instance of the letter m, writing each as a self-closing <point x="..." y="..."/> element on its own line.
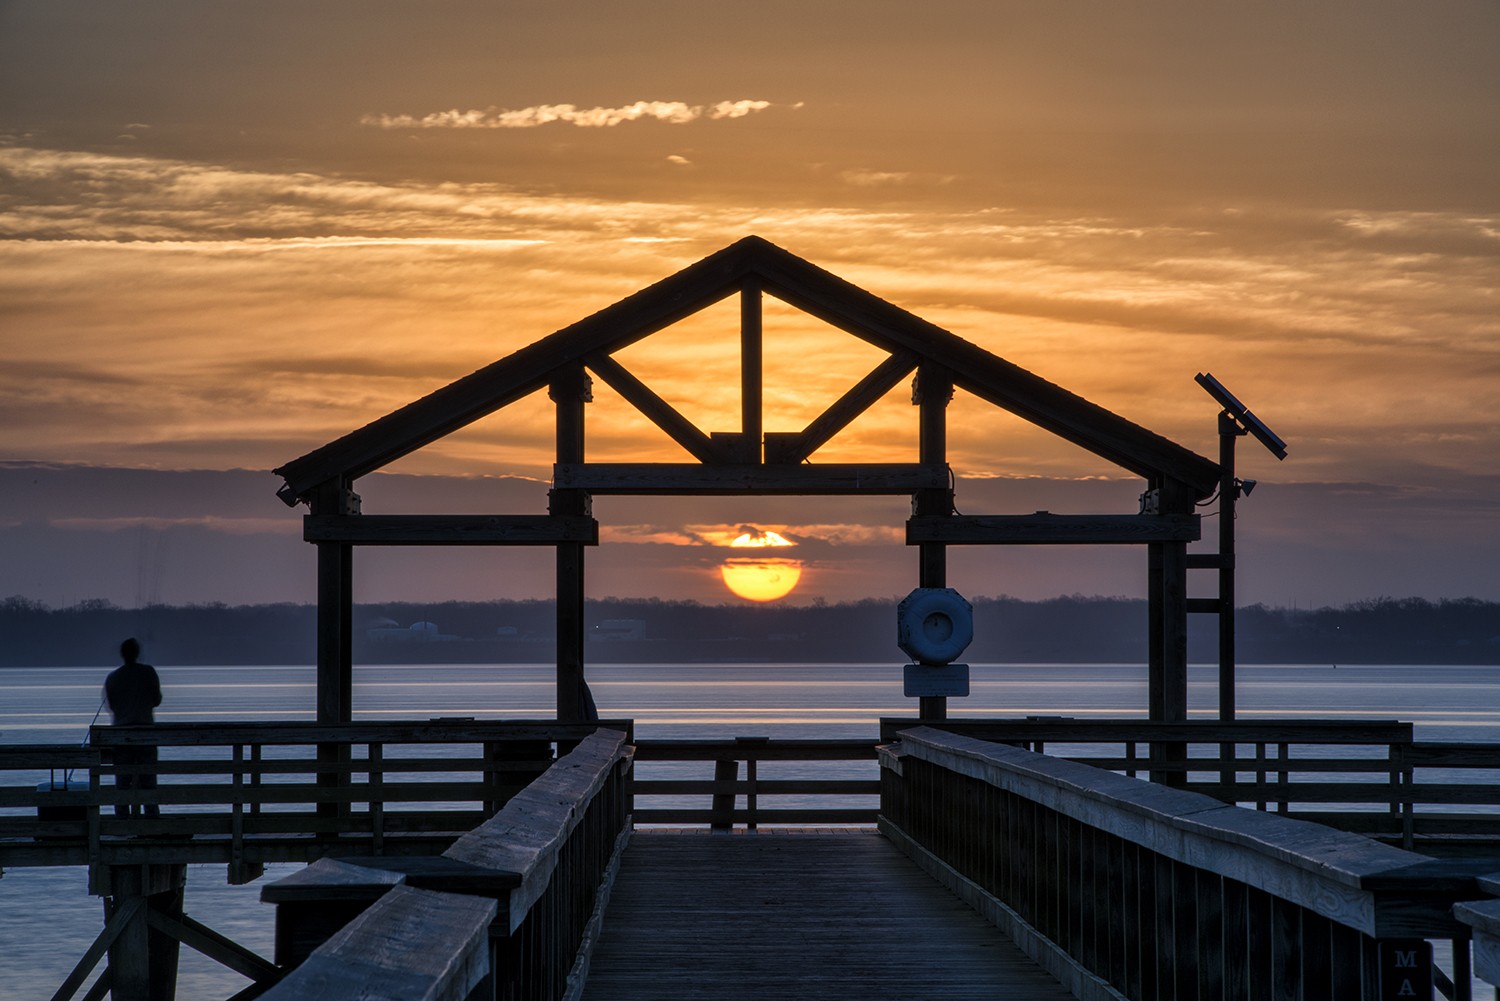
<point x="1406" y="959"/>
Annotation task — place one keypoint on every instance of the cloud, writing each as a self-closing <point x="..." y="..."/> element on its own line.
<point x="235" y="296"/>
<point x="671" y="112"/>
<point x="874" y="178"/>
<point x="681" y="161"/>
<point x="212" y="523"/>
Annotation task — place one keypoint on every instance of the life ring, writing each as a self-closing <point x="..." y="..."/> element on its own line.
<point x="934" y="625"/>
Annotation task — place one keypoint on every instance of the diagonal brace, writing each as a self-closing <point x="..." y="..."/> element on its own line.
<point x="795" y="447"/>
<point x="661" y="413"/>
<point x="213" y="945"/>
<point x="112" y="929"/>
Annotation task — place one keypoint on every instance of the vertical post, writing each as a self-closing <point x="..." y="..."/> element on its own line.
<point x="751" y="371"/>
<point x="932" y="390"/>
<point x="335" y="631"/>
<point x="129" y="954"/>
<point x="1229" y="430"/>
<point x="571" y="388"/>
<point x="1167" y="583"/>
<point x="335" y="607"/>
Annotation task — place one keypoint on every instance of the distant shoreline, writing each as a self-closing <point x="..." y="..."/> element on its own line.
<point x="1067" y="630"/>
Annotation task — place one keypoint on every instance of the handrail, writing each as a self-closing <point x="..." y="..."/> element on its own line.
<point x="1095" y="862"/>
<point x="249" y="793"/>
<point x="548" y="849"/>
<point x="726" y="785"/>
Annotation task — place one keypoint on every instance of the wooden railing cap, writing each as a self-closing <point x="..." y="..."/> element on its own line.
<point x="525" y="835"/>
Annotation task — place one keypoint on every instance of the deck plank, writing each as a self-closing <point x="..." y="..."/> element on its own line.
<point x="807" y="916"/>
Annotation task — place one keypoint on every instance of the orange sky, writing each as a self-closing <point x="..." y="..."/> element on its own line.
<point x="233" y="232"/>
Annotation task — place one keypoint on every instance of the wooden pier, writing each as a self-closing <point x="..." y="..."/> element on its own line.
<point x="825" y="914"/>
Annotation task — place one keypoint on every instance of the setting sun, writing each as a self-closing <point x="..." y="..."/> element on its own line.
<point x="760" y="578"/>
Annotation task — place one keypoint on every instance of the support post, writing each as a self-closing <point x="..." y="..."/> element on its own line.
<point x="1167" y="607"/>
<point x="335" y="633"/>
<point x="752" y="366"/>
<point x="570" y="390"/>
<point x="335" y="608"/>
<point x="142" y="960"/>
<point x="1229" y="430"/>
<point x="932" y="390"/>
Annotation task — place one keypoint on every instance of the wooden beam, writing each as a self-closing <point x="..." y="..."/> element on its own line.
<point x="681" y="430"/>
<point x="751" y="366"/>
<point x="747" y="479"/>
<point x="460" y="403"/>
<point x="1049" y="406"/>
<point x="215" y="946"/>
<point x="450" y="529"/>
<point x="112" y="929"/>
<point x="1043" y="528"/>
<point x="792" y="448"/>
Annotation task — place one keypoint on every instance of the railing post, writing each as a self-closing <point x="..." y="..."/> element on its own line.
<point x="376" y="754"/>
<point x="723" y="803"/>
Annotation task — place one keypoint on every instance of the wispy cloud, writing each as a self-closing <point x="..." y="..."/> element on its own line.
<point x="671" y="112"/>
<point x="236" y="294"/>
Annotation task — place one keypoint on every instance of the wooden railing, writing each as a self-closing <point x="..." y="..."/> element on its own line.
<point x="508" y="912"/>
<point x="1126" y="889"/>
<point x="250" y="793"/>
<point x="1364" y="776"/>
<point x="726" y="786"/>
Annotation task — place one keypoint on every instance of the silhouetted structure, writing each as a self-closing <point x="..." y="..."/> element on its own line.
<point x="749" y="461"/>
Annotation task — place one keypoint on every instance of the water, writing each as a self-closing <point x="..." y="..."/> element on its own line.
<point x="55" y="705"/>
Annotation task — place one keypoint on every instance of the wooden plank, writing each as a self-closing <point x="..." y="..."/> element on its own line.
<point x="525" y="835"/>
<point x="413" y="944"/>
<point x="764" y="787"/>
<point x="450" y="529"/>
<point x="331" y="879"/>
<point x="60" y="756"/>
<point x="808" y="916"/>
<point x="776" y="749"/>
<point x="672" y="478"/>
<point x="465" y="731"/>
<point x="1044" y="528"/>
<point x="681" y="430"/>
<point x="792" y="448"/>
<point x="798" y="816"/>
<point x="1310" y="731"/>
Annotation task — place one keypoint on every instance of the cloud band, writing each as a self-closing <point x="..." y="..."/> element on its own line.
<point x="672" y="112"/>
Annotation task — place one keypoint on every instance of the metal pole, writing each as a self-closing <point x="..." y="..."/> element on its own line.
<point x="1229" y="430"/>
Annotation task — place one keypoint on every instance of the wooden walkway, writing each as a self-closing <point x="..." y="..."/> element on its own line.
<point x="796" y="916"/>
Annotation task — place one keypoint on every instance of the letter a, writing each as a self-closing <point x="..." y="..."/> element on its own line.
<point x="1406" y="990"/>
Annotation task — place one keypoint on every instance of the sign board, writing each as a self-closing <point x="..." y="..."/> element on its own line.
<point x="928" y="680"/>
<point x="1405" y="969"/>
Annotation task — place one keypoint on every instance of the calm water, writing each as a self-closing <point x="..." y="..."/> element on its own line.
<point x="55" y="705"/>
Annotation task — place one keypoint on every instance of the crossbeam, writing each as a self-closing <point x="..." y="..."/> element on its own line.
<point x="748" y="479"/>
<point x="794" y="447"/>
<point x="1043" y="528"/>
<point x="450" y="529"/>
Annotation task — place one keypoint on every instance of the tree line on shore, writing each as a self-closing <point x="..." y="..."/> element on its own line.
<point x="1070" y="629"/>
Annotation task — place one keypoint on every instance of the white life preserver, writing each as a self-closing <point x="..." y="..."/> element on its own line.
<point x="934" y="625"/>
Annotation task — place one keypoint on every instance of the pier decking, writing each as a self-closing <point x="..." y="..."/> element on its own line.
<point x="837" y="914"/>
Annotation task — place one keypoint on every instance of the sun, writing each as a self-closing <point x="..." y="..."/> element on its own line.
<point x="760" y="578"/>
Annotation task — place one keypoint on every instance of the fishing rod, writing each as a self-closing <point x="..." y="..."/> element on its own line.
<point x="68" y="772"/>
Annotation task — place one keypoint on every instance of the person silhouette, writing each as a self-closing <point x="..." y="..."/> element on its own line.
<point x="133" y="691"/>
